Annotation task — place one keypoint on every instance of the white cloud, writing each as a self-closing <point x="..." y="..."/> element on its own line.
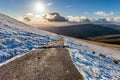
<point x="30" y="17"/>
<point x="77" y="19"/>
<point x="54" y="17"/>
<point x="104" y="14"/>
<point x="115" y="19"/>
<point x="29" y="14"/>
<point x="49" y="4"/>
<point x="20" y="18"/>
<point x="27" y="19"/>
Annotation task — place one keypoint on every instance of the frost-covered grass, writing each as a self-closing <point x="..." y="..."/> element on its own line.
<point x="17" y="38"/>
<point x="14" y="41"/>
<point x="93" y="48"/>
<point x="93" y="67"/>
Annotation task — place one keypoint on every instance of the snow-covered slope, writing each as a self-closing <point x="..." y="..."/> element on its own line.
<point x="8" y="21"/>
<point x="17" y="38"/>
<point x="88" y="61"/>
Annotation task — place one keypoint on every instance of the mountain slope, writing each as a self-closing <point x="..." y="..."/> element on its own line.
<point x="89" y="31"/>
<point x="94" y="61"/>
<point x="112" y="39"/>
<point x="18" y="40"/>
<point x="83" y="31"/>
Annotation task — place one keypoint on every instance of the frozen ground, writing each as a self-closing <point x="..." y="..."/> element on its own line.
<point x="17" y="38"/>
<point x="15" y="41"/>
<point x="94" y="67"/>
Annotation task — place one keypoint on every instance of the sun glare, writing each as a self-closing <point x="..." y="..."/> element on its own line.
<point x="39" y="7"/>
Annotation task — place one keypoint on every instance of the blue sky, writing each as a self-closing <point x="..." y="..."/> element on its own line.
<point x="65" y="7"/>
<point x="32" y="11"/>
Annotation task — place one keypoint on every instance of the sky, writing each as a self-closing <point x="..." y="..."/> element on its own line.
<point x="70" y="9"/>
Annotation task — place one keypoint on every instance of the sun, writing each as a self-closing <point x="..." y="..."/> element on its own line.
<point x="39" y="7"/>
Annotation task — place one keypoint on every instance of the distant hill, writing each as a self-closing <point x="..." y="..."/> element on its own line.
<point x="88" y="31"/>
<point x="113" y="39"/>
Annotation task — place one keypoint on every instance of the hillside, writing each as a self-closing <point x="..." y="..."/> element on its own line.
<point x="113" y="39"/>
<point x="17" y="38"/>
<point x="26" y="50"/>
<point x="110" y="46"/>
<point x="89" y="32"/>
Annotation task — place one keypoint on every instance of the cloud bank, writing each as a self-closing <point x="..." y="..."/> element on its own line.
<point x="104" y="14"/>
<point x="27" y="19"/>
<point x="50" y="4"/>
<point x="54" y="17"/>
<point x="77" y="19"/>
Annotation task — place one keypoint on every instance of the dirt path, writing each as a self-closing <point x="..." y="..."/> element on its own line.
<point x="50" y="63"/>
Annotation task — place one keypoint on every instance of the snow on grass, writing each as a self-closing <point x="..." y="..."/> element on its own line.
<point x="93" y="67"/>
<point x="14" y="41"/>
<point x="95" y="49"/>
<point x="8" y="21"/>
